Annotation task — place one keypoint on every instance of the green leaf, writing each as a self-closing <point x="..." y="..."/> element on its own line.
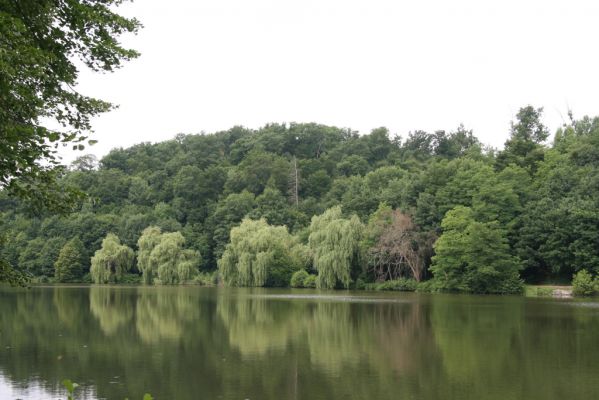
<point x="148" y="396"/>
<point x="70" y="385"/>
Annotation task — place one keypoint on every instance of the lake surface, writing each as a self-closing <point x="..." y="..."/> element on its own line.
<point x="210" y="343"/>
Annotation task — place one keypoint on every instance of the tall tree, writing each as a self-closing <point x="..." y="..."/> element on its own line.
<point x="171" y="261"/>
<point x="335" y="245"/>
<point x="395" y="247"/>
<point x="149" y="239"/>
<point x="40" y="41"/>
<point x="69" y="265"/>
<point x="260" y="254"/>
<point x="524" y="147"/>
<point x="112" y="261"/>
<point x="474" y="256"/>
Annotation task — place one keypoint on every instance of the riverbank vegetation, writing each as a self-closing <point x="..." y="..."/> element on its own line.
<point x="349" y="210"/>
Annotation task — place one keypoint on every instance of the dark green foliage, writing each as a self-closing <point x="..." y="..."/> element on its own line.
<point x="531" y="204"/>
<point x="41" y="39"/>
<point x="524" y="148"/>
<point x="11" y="276"/>
<point x="69" y="265"/>
<point x="401" y="285"/>
<point x="474" y="256"/>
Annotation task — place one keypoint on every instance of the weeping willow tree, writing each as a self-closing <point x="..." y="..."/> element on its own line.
<point x="260" y="254"/>
<point x="109" y="264"/>
<point x="173" y="263"/>
<point x="162" y="257"/>
<point x="148" y="240"/>
<point x="335" y="245"/>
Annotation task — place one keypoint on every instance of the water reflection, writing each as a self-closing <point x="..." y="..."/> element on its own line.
<point x="111" y="307"/>
<point x="163" y="315"/>
<point x="187" y="343"/>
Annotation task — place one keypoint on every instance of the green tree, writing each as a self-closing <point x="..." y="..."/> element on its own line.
<point x="170" y="262"/>
<point x="583" y="284"/>
<point x="41" y="39"/>
<point x="260" y="254"/>
<point x="69" y="265"/>
<point x="228" y="213"/>
<point x="39" y="256"/>
<point x="112" y="261"/>
<point x="524" y="147"/>
<point x="149" y="239"/>
<point x="353" y="165"/>
<point x="474" y="256"/>
<point x="335" y="245"/>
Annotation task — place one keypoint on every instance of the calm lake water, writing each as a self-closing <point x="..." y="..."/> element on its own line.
<point x="209" y="343"/>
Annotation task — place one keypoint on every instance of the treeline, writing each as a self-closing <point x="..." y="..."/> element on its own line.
<point x="332" y="207"/>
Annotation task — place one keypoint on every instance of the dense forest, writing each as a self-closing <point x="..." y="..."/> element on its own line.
<point x="314" y="205"/>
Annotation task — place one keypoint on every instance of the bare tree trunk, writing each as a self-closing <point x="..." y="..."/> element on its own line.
<point x="294" y="183"/>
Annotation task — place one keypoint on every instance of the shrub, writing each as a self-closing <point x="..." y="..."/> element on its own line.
<point x="310" y="282"/>
<point x="401" y="284"/>
<point x="298" y="278"/>
<point x="360" y="284"/>
<point x="130" y="279"/>
<point x="583" y="284"/>
<point x="544" y="292"/>
<point x="206" y="278"/>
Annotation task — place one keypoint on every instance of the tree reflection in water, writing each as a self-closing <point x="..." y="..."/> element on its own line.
<point x="254" y="343"/>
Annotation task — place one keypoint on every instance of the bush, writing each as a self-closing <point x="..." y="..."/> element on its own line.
<point x="429" y="286"/>
<point x="360" y="284"/>
<point x="544" y="292"/>
<point x="401" y="284"/>
<point x="302" y="279"/>
<point x="310" y="282"/>
<point x="206" y="278"/>
<point x="87" y="278"/>
<point x="583" y="284"/>
<point x="130" y="279"/>
<point x="298" y="278"/>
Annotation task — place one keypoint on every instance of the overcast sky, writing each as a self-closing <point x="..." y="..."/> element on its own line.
<point x="207" y="65"/>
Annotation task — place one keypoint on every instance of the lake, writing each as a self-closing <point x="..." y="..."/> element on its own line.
<point x="215" y="343"/>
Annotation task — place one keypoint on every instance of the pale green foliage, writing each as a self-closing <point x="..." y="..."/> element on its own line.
<point x="162" y="257"/>
<point x="112" y="260"/>
<point x="583" y="284"/>
<point x="148" y="240"/>
<point x="260" y="254"/>
<point x="298" y="278"/>
<point x="335" y="242"/>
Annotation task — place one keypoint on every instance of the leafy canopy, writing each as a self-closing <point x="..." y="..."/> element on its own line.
<point x="260" y="254"/>
<point x="110" y="263"/>
<point x="162" y="257"/>
<point x="335" y="245"/>
<point x="474" y="256"/>
<point x="69" y="265"/>
<point x="41" y="41"/>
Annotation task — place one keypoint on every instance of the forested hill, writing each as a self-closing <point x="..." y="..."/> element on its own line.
<point x="539" y="201"/>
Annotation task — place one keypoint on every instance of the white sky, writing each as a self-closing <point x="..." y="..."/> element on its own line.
<point x="208" y="65"/>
